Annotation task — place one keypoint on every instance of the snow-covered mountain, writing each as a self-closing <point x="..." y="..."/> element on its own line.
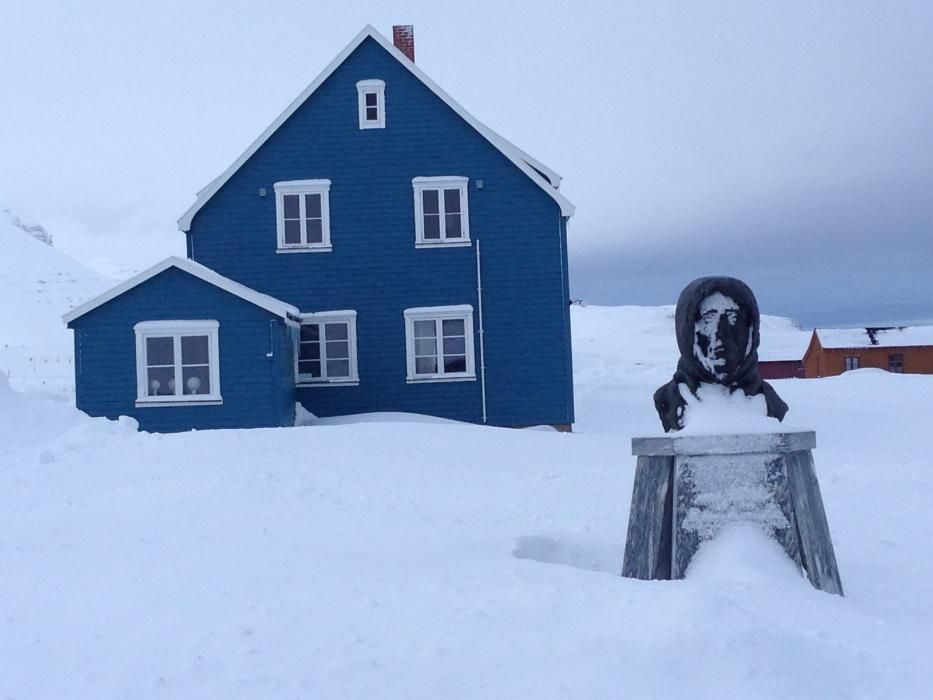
<point x="38" y="283"/>
<point x="30" y="226"/>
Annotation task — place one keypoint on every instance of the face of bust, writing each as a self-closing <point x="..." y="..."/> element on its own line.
<point x="721" y="336"/>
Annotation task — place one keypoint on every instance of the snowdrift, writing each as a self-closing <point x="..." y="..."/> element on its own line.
<point x="392" y="557"/>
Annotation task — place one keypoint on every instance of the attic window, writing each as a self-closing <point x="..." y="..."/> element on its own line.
<point x="371" y="96"/>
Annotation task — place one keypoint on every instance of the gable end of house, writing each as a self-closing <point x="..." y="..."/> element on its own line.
<point x="542" y="176"/>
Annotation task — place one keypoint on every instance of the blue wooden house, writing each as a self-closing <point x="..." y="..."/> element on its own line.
<point x="375" y="249"/>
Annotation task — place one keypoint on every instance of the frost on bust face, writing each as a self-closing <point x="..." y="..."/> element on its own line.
<point x="721" y="338"/>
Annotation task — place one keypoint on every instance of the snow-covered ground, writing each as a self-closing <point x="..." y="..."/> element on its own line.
<point x="404" y="557"/>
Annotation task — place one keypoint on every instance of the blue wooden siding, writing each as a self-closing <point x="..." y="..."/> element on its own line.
<point x="257" y="391"/>
<point x="374" y="267"/>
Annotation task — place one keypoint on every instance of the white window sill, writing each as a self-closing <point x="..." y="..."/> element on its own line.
<point x="306" y="249"/>
<point x="306" y="383"/>
<point x="435" y="379"/>
<point x="444" y="244"/>
<point x="176" y="402"/>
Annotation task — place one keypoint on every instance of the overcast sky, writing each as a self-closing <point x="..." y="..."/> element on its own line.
<point x="789" y="144"/>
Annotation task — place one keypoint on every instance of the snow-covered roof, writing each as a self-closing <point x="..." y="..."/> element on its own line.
<point x="782" y="340"/>
<point x="908" y="336"/>
<point x="540" y="174"/>
<point x="264" y="301"/>
<point x="786" y="349"/>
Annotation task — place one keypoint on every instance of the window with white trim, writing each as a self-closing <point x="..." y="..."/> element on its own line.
<point x="442" y="216"/>
<point x="177" y="362"/>
<point x="439" y="343"/>
<point x="302" y="215"/>
<point x="371" y="97"/>
<point x="327" y="348"/>
<point x="852" y="362"/>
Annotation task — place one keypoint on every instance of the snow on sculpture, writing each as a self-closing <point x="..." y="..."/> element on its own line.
<point x="726" y="469"/>
<point x="717" y="325"/>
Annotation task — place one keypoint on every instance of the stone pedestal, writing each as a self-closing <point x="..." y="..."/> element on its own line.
<point x="688" y="487"/>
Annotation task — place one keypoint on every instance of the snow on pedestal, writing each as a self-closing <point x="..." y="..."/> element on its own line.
<point x="690" y="486"/>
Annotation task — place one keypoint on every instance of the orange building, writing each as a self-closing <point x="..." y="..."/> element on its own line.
<point x="832" y="351"/>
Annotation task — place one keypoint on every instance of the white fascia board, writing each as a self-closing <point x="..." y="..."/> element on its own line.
<point x="183" y="326"/>
<point x="314" y="315"/>
<point x="302" y="186"/>
<point x="554" y="177"/>
<point x="438" y="310"/>
<point x="264" y="301"/>
<point x="439" y="179"/>
<point x="519" y="158"/>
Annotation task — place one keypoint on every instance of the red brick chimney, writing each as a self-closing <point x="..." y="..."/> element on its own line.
<point x="403" y="36"/>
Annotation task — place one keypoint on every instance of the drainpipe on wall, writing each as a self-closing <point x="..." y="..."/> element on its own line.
<point x="565" y="303"/>
<point x="271" y="352"/>
<point x="482" y="333"/>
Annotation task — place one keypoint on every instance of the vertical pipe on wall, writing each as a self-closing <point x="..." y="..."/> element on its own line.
<point x="482" y="340"/>
<point x="565" y="305"/>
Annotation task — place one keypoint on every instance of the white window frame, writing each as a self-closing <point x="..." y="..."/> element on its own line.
<point x="375" y="87"/>
<point x="302" y="187"/>
<point x="323" y="317"/>
<point x="438" y="314"/>
<point x="447" y="182"/>
<point x="177" y="330"/>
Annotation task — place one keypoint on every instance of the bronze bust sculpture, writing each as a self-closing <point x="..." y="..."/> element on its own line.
<point x="717" y="325"/>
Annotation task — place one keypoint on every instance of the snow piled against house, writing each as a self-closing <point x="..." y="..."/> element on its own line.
<point x="393" y="557"/>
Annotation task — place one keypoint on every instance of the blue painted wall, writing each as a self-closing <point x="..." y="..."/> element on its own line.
<point x="374" y="267"/>
<point x="257" y="391"/>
